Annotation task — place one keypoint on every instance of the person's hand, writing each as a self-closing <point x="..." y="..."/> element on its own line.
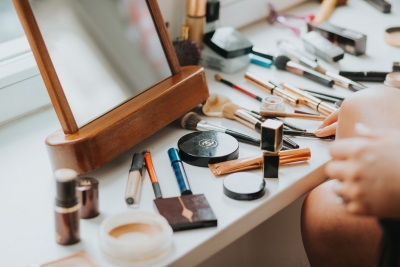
<point x="328" y="127"/>
<point x="368" y="169"/>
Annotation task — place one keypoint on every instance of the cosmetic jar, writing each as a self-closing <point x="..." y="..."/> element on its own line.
<point x="244" y="186"/>
<point x="226" y="50"/>
<point x="87" y="189"/>
<point x="393" y="79"/>
<point x="272" y="103"/>
<point x="135" y="235"/>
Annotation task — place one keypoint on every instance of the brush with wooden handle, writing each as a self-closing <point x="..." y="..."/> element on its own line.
<point x="291" y="115"/>
<point x="326" y="9"/>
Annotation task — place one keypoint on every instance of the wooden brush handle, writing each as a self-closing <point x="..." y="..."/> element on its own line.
<point x="325" y="11"/>
<point x="291" y="115"/>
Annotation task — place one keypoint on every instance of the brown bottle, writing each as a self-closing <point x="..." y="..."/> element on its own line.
<point x="66" y="211"/>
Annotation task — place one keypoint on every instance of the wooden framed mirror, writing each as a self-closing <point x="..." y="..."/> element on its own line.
<point x="151" y="97"/>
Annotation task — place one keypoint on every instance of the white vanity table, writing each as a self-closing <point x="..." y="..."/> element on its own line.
<point x="27" y="187"/>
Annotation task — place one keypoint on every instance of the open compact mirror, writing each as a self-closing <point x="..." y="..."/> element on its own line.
<point x="111" y="73"/>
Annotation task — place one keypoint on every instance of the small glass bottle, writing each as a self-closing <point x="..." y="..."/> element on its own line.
<point x="67" y="208"/>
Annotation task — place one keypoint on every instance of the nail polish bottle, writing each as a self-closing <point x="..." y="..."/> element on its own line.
<point x="67" y="207"/>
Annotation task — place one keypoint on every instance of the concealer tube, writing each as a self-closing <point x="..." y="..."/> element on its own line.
<point x="132" y="192"/>
<point x="305" y="98"/>
<point x="286" y="156"/>
<point x="67" y="208"/>
<point x="272" y="89"/>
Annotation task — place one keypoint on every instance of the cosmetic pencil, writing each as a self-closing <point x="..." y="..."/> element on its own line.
<point x="288" y="125"/>
<point x="233" y="112"/>
<point x="364" y="76"/>
<point x="291" y="115"/>
<point x="134" y="183"/>
<point x="271" y="88"/>
<point x="152" y="173"/>
<point x="180" y="174"/>
<point x="306" y="134"/>
<point x="193" y="122"/>
<point x="234" y="86"/>
<point x="309" y="100"/>
<point x="305" y="112"/>
<point x="324" y="98"/>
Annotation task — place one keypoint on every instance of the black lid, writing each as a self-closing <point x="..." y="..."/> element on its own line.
<point x="244" y="186"/>
<point x="65" y="186"/>
<point x="203" y="148"/>
<point x="137" y="162"/>
<point x="212" y="10"/>
<point x="228" y="42"/>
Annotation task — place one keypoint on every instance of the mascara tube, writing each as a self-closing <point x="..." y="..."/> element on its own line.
<point x="132" y="192"/>
<point x="180" y="174"/>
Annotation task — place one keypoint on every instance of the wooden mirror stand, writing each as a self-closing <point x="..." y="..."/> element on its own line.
<point x="97" y="143"/>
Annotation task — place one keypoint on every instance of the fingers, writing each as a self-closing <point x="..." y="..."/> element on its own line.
<point x="352" y="197"/>
<point x="343" y="170"/>
<point x="326" y="131"/>
<point x="333" y="117"/>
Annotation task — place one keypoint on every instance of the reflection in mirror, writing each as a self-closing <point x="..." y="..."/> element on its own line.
<point x="104" y="52"/>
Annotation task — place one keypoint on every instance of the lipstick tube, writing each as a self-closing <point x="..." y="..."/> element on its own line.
<point x="309" y="100"/>
<point x="180" y="174"/>
<point x="272" y="89"/>
<point x="250" y="121"/>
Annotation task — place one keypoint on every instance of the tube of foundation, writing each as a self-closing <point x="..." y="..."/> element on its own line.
<point x="255" y="162"/>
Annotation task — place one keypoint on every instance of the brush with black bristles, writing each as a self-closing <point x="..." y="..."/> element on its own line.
<point x="187" y="51"/>
<point x="193" y="122"/>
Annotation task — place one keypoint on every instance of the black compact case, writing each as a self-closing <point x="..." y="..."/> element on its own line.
<point x="352" y="42"/>
<point x="203" y="148"/>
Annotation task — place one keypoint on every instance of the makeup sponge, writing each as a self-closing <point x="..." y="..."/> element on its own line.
<point x="280" y="62"/>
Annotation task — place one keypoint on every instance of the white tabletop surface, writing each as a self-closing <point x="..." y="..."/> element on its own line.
<point x="27" y="186"/>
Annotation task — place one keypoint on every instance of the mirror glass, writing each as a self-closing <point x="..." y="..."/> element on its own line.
<point x="104" y="52"/>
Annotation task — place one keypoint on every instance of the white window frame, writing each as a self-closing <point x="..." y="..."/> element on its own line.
<point x="22" y="90"/>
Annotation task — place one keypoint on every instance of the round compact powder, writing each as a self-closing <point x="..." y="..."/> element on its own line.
<point x="244" y="186"/>
<point x="392" y="36"/>
<point x="135" y="236"/>
<point x="203" y="148"/>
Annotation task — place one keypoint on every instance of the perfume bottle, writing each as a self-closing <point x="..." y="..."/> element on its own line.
<point x="195" y="19"/>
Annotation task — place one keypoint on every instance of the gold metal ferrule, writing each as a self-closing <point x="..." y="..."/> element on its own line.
<point x="272" y="89"/>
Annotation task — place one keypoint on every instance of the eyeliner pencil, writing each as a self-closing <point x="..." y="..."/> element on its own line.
<point x="306" y="134"/>
<point x="152" y="173"/>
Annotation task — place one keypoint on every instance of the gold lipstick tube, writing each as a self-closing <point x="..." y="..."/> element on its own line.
<point x="256" y="162"/>
<point x="272" y="89"/>
<point x="309" y="100"/>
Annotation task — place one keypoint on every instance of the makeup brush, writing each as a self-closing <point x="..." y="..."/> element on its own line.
<point x="284" y="63"/>
<point x="193" y="122"/>
<point x="234" y="86"/>
<point x="306" y="134"/>
<point x="214" y="104"/>
<point x="291" y="115"/>
<point x="233" y="112"/>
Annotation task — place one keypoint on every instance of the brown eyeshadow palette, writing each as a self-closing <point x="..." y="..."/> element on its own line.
<point x="186" y="212"/>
